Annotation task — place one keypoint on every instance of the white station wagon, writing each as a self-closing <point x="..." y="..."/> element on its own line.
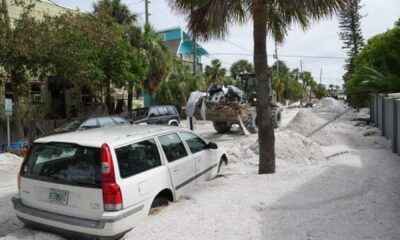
<point x="102" y="182"/>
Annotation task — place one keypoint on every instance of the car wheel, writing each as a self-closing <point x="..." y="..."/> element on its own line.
<point x="159" y="202"/>
<point x="222" y="161"/>
<point x="174" y="124"/>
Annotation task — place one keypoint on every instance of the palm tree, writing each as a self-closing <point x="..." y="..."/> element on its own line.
<point x="214" y="73"/>
<point x="115" y="8"/>
<point x="240" y="67"/>
<point x="158" y="57"/>
<point x="211" y="19"/>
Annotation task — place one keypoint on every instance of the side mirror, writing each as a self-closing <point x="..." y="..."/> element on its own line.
<point x="152" y="115"/>
<point x="212" y="145"/>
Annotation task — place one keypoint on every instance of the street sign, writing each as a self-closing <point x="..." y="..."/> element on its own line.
<point x="8" y="105"/>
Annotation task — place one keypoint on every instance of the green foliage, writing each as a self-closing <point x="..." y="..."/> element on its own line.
<point x="215" y="73"/>
<point x="115" y="8"/>
<point x="240" y="67"/>
<point x="180" y="83"/>
<point x="291" y="84"/>
<point x="351" y="34"/>
<point x="320" y="91"/>
<point x="158" y="58"/>
<point x="377" y="68"/>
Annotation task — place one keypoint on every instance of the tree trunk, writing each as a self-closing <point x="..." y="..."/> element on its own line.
<point x="265" y="129"/>
<point x="194" y="54"/>
<point x="19" y="128"/>
<point x="130" y="98"/>
<point x="109" y="103"/>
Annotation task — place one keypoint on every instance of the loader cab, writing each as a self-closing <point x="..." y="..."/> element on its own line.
<point x="248" y="82"/>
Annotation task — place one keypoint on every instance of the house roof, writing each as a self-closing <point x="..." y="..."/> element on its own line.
<point x="174" y="45"/>
<point x="176" y="35"/>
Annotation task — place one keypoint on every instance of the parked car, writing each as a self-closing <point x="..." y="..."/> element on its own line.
<point x="162" y="115"/>
<point x="90" y="122"/>
<point x="102" y="182"/>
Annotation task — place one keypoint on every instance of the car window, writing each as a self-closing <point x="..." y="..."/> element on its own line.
<point x="65" y="163"/>
<point x="163" y="111"/>
<point x="173" y="147"/>
<point x="153" y="112"/>
<point x="71" y="126"/>
<point x="118" y="120"/>
<point x="105" y="121"/>
<point x="171" y="110"/>
<point x="195" y="143"/>
<point x="90" y="123"/>
<point x="140" y="112"/>
<point x="138" y="157"/>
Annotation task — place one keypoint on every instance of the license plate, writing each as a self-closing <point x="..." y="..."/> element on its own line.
<point x="58" y="196"/>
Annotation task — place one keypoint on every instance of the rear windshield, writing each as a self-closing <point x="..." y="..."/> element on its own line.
<point x="65" y="164"/>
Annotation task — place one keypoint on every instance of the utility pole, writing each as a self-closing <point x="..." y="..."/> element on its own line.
<point x="146" y="12"/>
<point x="302" y="79"/>
<point x="276" y="57"/>
<point x="320" y="77"/>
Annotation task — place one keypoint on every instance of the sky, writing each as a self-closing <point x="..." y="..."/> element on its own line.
<point x="320" y="40"/>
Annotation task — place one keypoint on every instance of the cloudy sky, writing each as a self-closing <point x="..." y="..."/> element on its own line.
<point x="321" y="40"/>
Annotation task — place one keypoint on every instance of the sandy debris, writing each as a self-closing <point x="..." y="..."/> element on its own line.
<point x="9" y="162"/>
<point x="329" y="108"/>
<point x="305" y="122"/>
<point x="295" y="148"/>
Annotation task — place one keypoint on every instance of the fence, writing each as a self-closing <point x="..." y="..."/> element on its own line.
<point x="385" y="113"/>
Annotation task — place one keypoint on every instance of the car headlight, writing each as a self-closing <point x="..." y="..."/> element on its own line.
<point x="255" y="99"/>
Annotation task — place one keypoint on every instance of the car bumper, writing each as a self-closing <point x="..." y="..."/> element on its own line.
<point x="110" y="225"/>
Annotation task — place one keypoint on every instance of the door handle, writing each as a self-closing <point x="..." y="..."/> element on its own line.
<point x="175" y="169"/>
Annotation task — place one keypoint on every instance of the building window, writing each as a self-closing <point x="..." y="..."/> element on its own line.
<point x="87" y="96"/>
<point x="187" y="57"/>
<point x="36" y="93"/>
<point x="9" y="90"/>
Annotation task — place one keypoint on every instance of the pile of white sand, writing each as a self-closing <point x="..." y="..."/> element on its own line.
<point x="295" y="148"/>
<point x="240" y="148"/>
<point x="305" y="122"/>
<point x="292" y="147"/>
<point x="9" y="162"/>
<point x="329" y="108"/>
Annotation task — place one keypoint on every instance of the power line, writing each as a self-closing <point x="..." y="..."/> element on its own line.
<point x="282" y="55"/>
<point x="228" y="63"/>
<point x="238" y="46"/>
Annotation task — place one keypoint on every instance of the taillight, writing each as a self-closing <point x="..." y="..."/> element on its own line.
<point x="112" y="196"/>
<point x="22" y="168"/>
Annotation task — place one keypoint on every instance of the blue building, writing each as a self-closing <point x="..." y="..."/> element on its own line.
<point x="181" y="45"/>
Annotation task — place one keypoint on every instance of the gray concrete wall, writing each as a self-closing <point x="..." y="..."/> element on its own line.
<point x="376" y="110"/>
<point x="388" y="119"/>
<point x="396" y="142"/>
<point x="385" y="113"/>
<point x="380" y="113"/>
<point x="372" y="109"/>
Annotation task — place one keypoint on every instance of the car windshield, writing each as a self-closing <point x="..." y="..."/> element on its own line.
<point x="70" y="126"/>
<point x="64" y="163"/>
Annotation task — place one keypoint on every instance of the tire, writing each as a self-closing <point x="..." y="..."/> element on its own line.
<point x="222" y="127"/>
<point x="222" y="161"/>
<point x="159" y="202"/>
<point x="174" y="124"/>
<point x="276" y="117"/>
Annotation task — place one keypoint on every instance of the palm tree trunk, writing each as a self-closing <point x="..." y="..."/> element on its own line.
<point x="266" y="133"/>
